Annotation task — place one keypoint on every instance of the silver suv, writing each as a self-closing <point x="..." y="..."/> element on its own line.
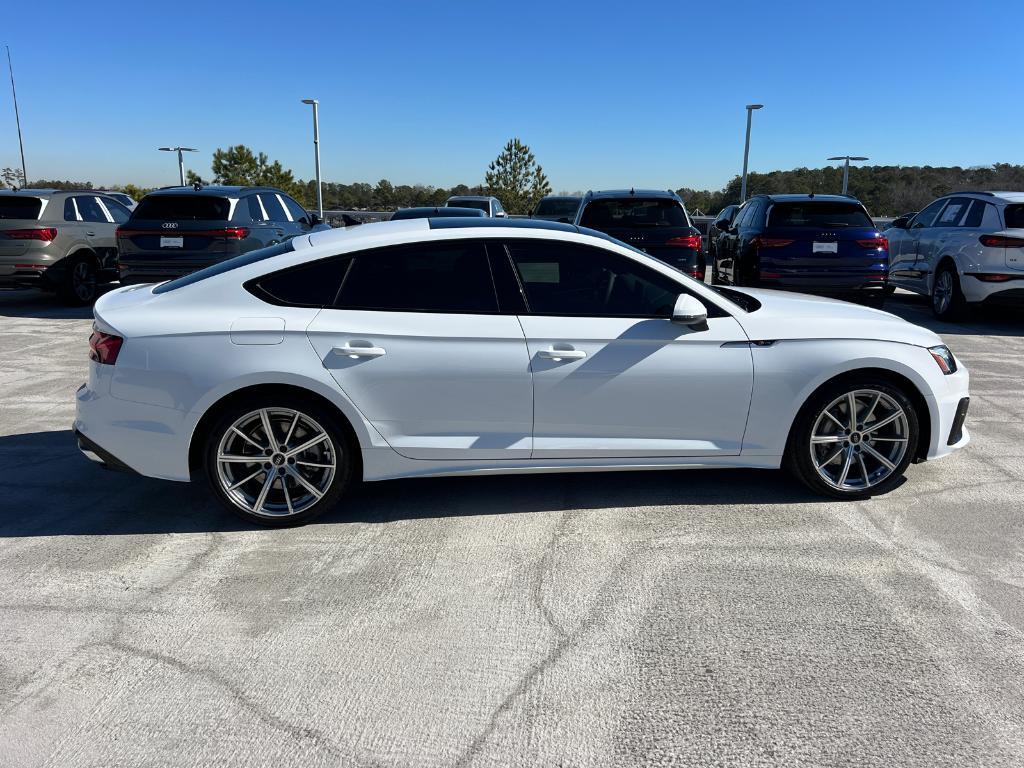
<point x="491" y="206"/>
<point x="963" y="250"/>
<point x="57" y="240"/>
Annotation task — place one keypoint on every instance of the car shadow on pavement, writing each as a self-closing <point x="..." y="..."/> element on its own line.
<point x="58" y="492"/>
<point x="41" y="305"/>
<point x="983" y="321"/>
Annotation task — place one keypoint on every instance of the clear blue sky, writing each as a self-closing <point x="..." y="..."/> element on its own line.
<point x="606" y="94"/>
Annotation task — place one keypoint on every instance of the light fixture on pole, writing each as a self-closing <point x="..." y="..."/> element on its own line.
<point x="181" y="160"/>
<point x="846" y="168"/>
<point x="746" y="151"/>
<point x="316" y="152"/>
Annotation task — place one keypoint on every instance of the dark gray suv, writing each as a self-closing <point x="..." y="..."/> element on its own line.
<point x="178" y="230"/>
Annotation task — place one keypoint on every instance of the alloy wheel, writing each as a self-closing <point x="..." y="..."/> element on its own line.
<point x="83" y="281"/>
<point x="276" y="462"/>
<point x="942" y="294"/>
<point x="859" y="440"/>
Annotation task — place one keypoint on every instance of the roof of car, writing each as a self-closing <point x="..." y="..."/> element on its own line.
<point x="613" y="193"/>
<point x="449" y="211"/>
<point x="458" y="222"/>
<point x="1010" y="197"/>
<point x="811" y="197"/>
<point x="561" y="197"/>
<point x="213" y="190"/>
<point x="471" y="197"/>
<point x="46" y="192"/>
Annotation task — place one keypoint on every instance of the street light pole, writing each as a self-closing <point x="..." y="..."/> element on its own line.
<point x="316" y="152"/>
<point x="846" y="168"/>
<point x="181" y="160"/>
<point x="17" y="119"/>
<point x="746" y="151"/>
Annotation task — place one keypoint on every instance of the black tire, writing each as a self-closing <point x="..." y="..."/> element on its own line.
<point x="80" y="284"/>
<point x="948" y="302"/>
<point x="278" y="471"/>
<point x="800" y="453"/>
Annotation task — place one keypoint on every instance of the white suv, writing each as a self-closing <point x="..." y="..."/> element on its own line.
<point x="964" y="249"/>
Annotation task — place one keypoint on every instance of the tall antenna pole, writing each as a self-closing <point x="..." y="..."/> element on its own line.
<point x="17" y="119"/>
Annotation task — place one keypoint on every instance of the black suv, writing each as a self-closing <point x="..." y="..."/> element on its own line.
<point x="178" y="230"/>
<point x="653" y="221"/>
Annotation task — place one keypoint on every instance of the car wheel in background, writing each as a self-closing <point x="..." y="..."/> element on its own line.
<point x="79" y="284"/>
<point x="854" y="439"/>
<point x="279" y="460"/>
<point x="948" y="302"/>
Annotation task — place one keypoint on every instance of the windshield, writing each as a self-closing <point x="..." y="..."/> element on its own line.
<point x="823" y="214"/>
<point x="632" y="213"/>
<point x="183" y="208"/>
<point x="556" y="207"/>
<point x="483" y="205"/>
<point x="12" y="207"/>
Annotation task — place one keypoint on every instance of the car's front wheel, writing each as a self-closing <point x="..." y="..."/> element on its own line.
<point x="854" y="439"/>
<point x="278" y="461"/>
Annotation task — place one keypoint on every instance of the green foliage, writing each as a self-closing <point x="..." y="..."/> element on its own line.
<point x="238" y="165"/>
<point x="516" y="179"/>
<point x="11" y="177"/>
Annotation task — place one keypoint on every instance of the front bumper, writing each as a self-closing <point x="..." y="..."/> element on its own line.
<point x="948" y="408"/>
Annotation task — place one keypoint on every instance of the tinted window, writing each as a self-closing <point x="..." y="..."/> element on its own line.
<point x="815" y="214"/>
<point x="70" y="211"/>
<point x="482" y="205"/>
<point x="634" y="214"/>
<point x="122" y="199"/>
<point x="953" y="212"/>
<point x="297" y="211"/>
<point x="89" y="209"/>
<point x="255" y="211"/>
<point x="13" y="207"/>
<point x="118" y="212"/>
<point x="927" y="216"/>
<point x="974" y="215"/>
<point x="226" y="266"/>
<point x="273" y="207"/>
<point x="449" y="276"/>
<point x="1014" y="216"/>
<point x="568" y="279"/>
<point x="565" y="208"/>
<point x="310" y="285"/>
<point x="743" y="217"/>
<point x="183" y="208"/>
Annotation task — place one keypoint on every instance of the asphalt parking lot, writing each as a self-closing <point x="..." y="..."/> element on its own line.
<point x="667" y="618"/>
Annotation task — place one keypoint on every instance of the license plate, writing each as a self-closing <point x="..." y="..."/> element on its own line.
<point x="172" y="242"/>
<point x="826" y="248"/>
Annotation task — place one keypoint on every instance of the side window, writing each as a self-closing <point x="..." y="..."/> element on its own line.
<point x="975" y="215"/>
<point x="117" y="212"/>
<point x="297" y="211"/>
<point x="927" y="216"/>
<point x="498" y="208"/>
<point x="273" y="207"/>
<point x="953" y="212"/>
<point x="71" y="210"/>
<point x="567" y="279"/>
<point x="309" y="285"/>
<point x="256" y="208"/>
<point x="449" y="276"/>
<point x="90" y="210"/>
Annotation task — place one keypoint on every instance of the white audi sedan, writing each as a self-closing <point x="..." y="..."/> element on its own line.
<point x="451" y="346"/>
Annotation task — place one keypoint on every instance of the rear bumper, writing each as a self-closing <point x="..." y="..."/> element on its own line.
<point x="96" y="453"/>
<point x="832" y="285"/>
<point x="1007" y="293"/>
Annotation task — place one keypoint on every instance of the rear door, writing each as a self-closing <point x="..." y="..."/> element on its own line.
<point x="417" y="342"/>
<point x="942" y="237"/>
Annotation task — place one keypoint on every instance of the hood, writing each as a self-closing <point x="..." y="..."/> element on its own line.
<point x="785" y="315"/>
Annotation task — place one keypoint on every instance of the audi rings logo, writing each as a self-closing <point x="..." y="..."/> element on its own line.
<point x="170" y="225"/>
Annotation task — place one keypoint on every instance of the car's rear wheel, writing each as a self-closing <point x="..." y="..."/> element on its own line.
<point x="278" y="461"/>
<point x="854" y="439"/>
<point x="80" y="282"/>
<point x="948" y="302"/>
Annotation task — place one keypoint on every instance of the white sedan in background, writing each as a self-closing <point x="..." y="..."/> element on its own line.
<point x="455" y="346"/>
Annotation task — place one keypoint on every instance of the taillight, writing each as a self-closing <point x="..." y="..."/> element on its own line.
<point x="696" y="273"/>
<point x="879" y="243"/>
<point x="46" y="234"/>
<point x="690" y="241"/>
<point x="770" y="242"/>
<point x="1001" y="241"/>
<point x="104" y="347"/>
<point x="233" y="233"/>
<point x="993" y="277"/>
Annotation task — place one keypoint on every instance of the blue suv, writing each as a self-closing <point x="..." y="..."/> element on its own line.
<point x="812" y="243"/>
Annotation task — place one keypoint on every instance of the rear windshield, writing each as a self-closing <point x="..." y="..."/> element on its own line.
<point x="482" y="205"/>
<point x="633" y="213"/>
<point x="1015" y="216"/>
<point x="557" y="207"/>
<point x="823" y="214"/>
<point x="12" y="207"/>
<point x="183" y="208"/>
<point x="226" y="266"/>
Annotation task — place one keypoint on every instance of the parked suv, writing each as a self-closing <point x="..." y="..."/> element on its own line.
<point x="491" y="206"/>
<point x="653" y="221"/>
<point x="59" y="240"/>
<point x="178" y="230"/>
<point x="722" y="222"/>
<point x="964" y="249"/>
<point x="557" y="208"/>
<point x="811" y="243"/>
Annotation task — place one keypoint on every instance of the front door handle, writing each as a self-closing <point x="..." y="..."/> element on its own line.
<point x="562" y="354"/>
<point x="360" y="351"/>
<point x="91" y="234"/>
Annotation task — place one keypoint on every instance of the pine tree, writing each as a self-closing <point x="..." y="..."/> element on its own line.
<point x="516" y="179"/>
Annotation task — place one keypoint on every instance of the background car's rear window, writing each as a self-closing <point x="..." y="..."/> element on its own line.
<point x="821" y="214"/>
<point x="12" y="207"/>
<point x="183" y="208"/>
<point x="1015" y="216"/>
<point x="601" y="214"/>
<point x="226" y="266"/>
<point x="557" y="207"/>
<point x="478" y="204"/>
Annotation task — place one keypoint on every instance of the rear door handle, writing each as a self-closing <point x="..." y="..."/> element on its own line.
<point x="360" y="351"/>
<point x="91" y="234"/>
<point x="562" y="354"/>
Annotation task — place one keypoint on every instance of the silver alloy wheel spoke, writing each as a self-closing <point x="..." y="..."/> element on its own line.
<point x="247" y="439"/>
<point x="851" y="408"/>
<point x="864" y="470"/>
<point x="846" y="466"/>
<point x="262" y="498"/>
<point x="879" y="424"/>
<point x="306" y="446"/>
<point x="245" y="480"/>
<point x="871" y="410"/>
<point x="305" y="483"/>
<point x="287" y="496"/>
<point x="291" y="429"/>
<point x="884" y="461"/>
<point x="832" y="458"/>
<point x="269" y="430"/>
<point x="827" y="439"/>
<point x="229" y="459"/>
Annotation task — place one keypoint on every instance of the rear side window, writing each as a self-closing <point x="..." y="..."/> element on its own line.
<point x="1014" y="215"/>
<point x="226" y="266"/>
<point x="814" y="214"/>
<point x="273" y="207"/>
<point x="89" y="209"/>
<point x="480" y="205"/>
<point x="953" y="212"/>
<point x="117" y="212"/>
<point x="183" y="208"/>
<point x="975" y="215"/>
<point x="310" y="285"/>
<point x="297" y="211"/>
<point x="16" y="207"/>
<point x="449" y="276"/>
<point x="634" y="213"/>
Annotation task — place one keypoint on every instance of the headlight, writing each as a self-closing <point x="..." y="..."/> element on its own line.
<point x="944" y="358"/>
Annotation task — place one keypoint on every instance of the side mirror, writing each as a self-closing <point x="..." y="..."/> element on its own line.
<point x="501" y="214"/>
<point x="314" y="220"/>
<point x="689" y="311"/>
<point x="900" y="223"/>
<point x="722" y="224"/>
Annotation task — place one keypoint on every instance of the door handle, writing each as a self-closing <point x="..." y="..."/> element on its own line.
<point x="359" y="351"/>
<point x="91" y="234"/>
<point x="280" y="232"/>
<point x="562" y="354"/>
